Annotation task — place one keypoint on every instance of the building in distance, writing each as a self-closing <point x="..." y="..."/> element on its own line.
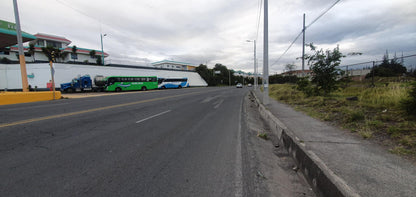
<point x="169" y="64"/>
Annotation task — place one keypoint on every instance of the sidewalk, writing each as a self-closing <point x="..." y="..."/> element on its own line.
<point x="357" y="165"/>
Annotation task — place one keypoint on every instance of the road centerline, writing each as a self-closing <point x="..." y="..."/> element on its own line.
<point x="150" y="117"/>
<point x="94" y="110"/>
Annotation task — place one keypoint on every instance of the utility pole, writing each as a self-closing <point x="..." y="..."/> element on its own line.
<point x="303" y="47"/>
<point x="102" y="47"/>
<point x="255" y="69"/>
<point x="23" y="72"/>
<point x="266" y="55"/>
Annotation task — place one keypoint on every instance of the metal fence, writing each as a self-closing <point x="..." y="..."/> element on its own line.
<point x="363" y="68"/>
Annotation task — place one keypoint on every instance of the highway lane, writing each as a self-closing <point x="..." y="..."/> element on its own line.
<point x="183" y="142"/>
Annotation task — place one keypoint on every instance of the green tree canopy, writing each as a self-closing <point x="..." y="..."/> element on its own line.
<point x="51" y="52"/>
<point x="324" y="67"/>
<point x="388" y="68"/>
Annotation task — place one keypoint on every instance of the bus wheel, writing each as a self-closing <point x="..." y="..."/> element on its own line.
<point x="118" y="89"/>
<point x="163" y="87"/>
<point x="144" y="88"/>
<point x="179" y="87"/>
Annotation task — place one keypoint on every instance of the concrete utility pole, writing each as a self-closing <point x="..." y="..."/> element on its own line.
<point x="255" y="69"/>
<point x="266" y="55"/>
<point x="23" y="72"/>
<point x="303" y="48"/>
<point x="102" y="47"/>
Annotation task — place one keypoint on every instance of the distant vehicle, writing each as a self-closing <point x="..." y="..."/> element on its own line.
<point x="127" y="83"/>
<point x="164" y="83"/>
<point x="249" y="85"/>
<point x="239" y="85"/>
<point x="84" y="83"/>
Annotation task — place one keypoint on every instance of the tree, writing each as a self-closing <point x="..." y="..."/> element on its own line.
<point x="51" y="52"/>
<point x="99" y="61"/>
<point x="93" y="53"/>
<point x="32" y="50"/>
<point x="225" y="76"/>
<point x="388" y="68"/>
<point x="409" y="103"/>
<point x="289" y="68"/>
<point x="324" y="67"/>
<point x="74" y="52"/>
<point x="206" y="74"/>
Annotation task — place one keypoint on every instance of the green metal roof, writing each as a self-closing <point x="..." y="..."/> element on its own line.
<point x="8" y="34"/>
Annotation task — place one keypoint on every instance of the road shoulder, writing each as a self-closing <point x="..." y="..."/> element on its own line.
<point x="269" y="169"/>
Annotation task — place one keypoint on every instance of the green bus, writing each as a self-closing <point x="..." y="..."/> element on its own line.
<point x="127" y="83"/>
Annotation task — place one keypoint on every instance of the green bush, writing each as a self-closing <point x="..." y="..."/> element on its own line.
<point x="409" y="103"/>
<point x="355" y="116"/>
<point x="305" y="86"/>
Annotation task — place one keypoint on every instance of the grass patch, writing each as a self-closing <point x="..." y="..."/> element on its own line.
<point x="400" y="150"/>
<point x="366" y="134"/>
<point x="377" y="114"/>
<point x="263" y="136"/>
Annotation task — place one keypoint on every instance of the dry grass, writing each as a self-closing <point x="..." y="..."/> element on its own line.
<point x="376" y="115"/>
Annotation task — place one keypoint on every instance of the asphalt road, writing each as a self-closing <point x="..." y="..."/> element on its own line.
<point x="184" y="142"/>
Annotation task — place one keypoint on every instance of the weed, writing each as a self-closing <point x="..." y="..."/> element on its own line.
<point x="375" y="124"/>
<point x="408" y="103"/>
<point x="393" y="131"/>
<point x="263" y="136"/>
<point x="356" y="116"/>
<point x="377" y="112"/>
<point x="366" y="134"/>
<point x="400" y="150"/>
<point x="407" y="141"/>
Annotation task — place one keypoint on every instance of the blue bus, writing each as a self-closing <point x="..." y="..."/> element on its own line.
<point x="164" y="83"/>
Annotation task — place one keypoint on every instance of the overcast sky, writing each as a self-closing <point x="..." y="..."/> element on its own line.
<point x="215" y="31"/>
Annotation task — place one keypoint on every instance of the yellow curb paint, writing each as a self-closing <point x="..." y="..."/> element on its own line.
<point x="89" y="110"/>
<point x="7" y="98"/>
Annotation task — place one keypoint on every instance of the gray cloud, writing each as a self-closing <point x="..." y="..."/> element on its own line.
<point x="215" y="31"/>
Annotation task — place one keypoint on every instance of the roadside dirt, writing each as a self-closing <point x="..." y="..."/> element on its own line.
<point x="268" y="167"/>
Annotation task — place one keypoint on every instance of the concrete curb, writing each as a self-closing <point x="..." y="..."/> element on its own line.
<point x="7" y="98"/>
<point x="322" y="179"/>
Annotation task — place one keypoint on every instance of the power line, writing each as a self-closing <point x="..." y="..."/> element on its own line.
<point x="66" y="4"/>
<point x="306" y="27"/>
<point x="258" y="21"/>
<point x="317" y="18"/>
<point x="278" y="59"/>
<point x="377" y="61"/>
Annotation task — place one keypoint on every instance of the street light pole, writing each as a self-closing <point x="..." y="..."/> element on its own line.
<point x="102" y="48"/>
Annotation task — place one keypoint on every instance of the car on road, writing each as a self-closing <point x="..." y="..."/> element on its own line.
<point x="239" y="85"/>
<point x="249" y="85"/>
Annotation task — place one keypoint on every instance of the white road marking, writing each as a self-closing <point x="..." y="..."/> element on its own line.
<point x="218" y="103"/>
<point x="208" y="99"/>
<point x="153" y="116"/>
<point x="239" y="166"/>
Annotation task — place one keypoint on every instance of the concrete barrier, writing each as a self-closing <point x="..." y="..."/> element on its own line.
<point x="322" y="179"/>
<point x="7" y="98"/>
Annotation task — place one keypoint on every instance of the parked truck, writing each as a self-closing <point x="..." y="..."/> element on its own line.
<point x="84" y="83"/>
